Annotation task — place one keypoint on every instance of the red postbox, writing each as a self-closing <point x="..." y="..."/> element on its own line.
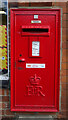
<point x="35" y="59"/>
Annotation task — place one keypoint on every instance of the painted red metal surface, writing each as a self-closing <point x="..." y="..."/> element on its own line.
<point x="35" y="88"/>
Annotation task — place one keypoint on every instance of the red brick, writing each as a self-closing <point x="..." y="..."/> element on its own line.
<point x="7" y="92"/>
<point x="66" y="37"/>
<point x="64" y="51"/>
<point x="63" y="99"/>
<point x="1" y="91"/>
<point x="64" y="79"/>
<point x="67" y="31"/>
<point x="40" y="4"/>
<point x="2" y="105"/>
<point x="64" y="16"/>
<point x="21" y="4"/>
<point x="64" y="58"/>
<point x="63" y="9"/>
<point x="67" y="22"/>
<point x="62" y="115"/>
<point x="63" y="92"/>
<point x="65" y="66"/>
<point x="65" y="44"/>
<point x="64" y="106"/>
<point x="64" y="112"/>
<point x="67" y="7"/>
<point x="64" y="96"/>
<point x="12" y="4"/>
<point x="64" y="72"/>
<point x="60" y="5"/>
<point x="67" y="17"/>
<point x="64" y="22"/>
<point x="64" y="55"/>
<point x="64" y="31"/>
<point x="4" y="98"/>
<point x="65" y="86"/>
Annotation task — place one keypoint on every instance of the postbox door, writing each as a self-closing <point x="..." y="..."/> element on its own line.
<point x="34" y="84"/>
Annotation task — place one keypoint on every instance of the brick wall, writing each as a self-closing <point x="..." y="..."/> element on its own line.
<point x="5" y="93"/>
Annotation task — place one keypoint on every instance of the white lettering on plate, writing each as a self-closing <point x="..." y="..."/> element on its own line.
<point x="35" y="48"/>
<point x="35" y="16"/>
<point x="35" y="21"/>
<point x="31" y="65"/>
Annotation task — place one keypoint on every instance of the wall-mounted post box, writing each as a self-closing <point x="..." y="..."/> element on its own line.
<point x="35" y="59"/>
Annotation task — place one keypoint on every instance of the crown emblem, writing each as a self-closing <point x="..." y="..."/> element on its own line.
<point x="34" y="80"/>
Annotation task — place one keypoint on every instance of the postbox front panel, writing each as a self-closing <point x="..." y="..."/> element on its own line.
<point x="35" y="45"/>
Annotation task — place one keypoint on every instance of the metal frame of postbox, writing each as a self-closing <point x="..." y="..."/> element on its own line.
<point x="57" y="81"/>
